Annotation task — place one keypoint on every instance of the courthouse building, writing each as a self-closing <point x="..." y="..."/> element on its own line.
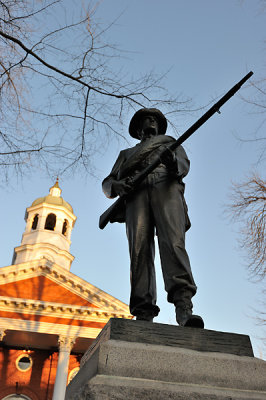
<point x="48" y="315"/>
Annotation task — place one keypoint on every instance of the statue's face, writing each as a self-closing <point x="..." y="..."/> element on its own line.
<point x="148" y="127"/>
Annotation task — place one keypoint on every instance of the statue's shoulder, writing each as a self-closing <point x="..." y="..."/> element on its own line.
<point x="127" y="152"/>
<point x="169" y="138"/>
<point x="123" y="153"/>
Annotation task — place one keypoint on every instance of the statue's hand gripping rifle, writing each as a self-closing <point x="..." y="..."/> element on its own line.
<point x="109" y="214"/>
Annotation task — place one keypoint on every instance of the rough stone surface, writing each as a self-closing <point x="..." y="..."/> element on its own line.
<point x="104" y="387"/>
<point x="116" y="369"/>
<point x="175" y="365"/>
<point x="181" y="365"/>
<point x="173" y="336"/>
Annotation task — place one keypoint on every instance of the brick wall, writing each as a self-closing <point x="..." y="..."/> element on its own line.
<point x="36" y="383"/>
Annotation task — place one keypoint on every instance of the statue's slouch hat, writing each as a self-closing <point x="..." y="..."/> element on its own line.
<point x="143" y="112"/>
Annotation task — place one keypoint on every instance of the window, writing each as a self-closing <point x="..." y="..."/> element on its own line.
<point x="35" y="222"/>
<point x="50" y="222"/>
<point x="65" y="226"/>
<point x="24" y="362"/>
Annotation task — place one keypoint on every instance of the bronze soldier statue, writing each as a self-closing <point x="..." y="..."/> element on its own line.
<point x="148" y="178"/>
<point x="157" y="206"/>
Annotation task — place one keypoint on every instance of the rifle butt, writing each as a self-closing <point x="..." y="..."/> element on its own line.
<point x="103" y="220"/>
<point x="110" y="213"/>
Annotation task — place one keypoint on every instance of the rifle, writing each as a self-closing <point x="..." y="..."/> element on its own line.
<point x="108" y="215"/>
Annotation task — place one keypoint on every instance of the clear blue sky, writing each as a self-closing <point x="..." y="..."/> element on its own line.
<point x="207" y="46"/>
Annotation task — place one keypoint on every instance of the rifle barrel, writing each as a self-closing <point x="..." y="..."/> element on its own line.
<point x="215" y="108"/>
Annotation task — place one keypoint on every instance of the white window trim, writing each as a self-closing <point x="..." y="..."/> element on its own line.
<point x="19" y="358"/>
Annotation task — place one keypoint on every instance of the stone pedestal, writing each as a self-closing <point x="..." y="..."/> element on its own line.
<point x="137" y="360"/>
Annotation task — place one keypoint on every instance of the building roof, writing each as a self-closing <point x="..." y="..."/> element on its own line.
<point x="54" y="198"/>
<point x="57" y="201"/>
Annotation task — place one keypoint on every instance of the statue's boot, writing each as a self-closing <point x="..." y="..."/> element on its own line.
<point x="184" y="317"/>
<point x="145" y="315"/>
<point x="145" y="318"/>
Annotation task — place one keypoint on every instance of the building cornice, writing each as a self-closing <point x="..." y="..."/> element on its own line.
<point x="47" y="327"/>
<point x="48" y="246"/>
<point x="58" y="310"/>
<point x="66" y="279"/>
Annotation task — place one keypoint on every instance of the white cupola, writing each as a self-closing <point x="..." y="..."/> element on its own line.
<point x="49" y="222"/>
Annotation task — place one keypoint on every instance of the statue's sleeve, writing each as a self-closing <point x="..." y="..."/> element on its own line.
<point x="113" y="176"/>
<point x="183" y="162"/>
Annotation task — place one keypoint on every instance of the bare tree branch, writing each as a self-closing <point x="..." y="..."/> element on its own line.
<point x="248" y="206"/>
<point x="63" y="95"/>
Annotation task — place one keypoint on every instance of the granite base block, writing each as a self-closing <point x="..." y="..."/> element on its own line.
<point x="118" y="369"/>
<point x="103" y="387"/>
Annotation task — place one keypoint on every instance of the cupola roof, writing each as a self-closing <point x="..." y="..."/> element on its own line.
<point x="54" y="197"/>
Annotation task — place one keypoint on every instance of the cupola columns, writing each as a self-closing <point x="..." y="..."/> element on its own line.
<point x="49" y="223"/>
